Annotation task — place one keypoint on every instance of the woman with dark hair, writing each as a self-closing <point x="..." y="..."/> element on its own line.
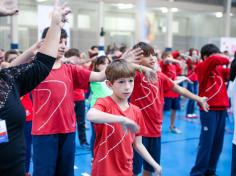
<point x="16" y="82"/>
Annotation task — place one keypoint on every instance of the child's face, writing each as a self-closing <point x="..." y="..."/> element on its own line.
<point x="166" y="59"/>
<point x="122" y="88"/>
<point x="149" y="61"/>
<point x="103" y="66"/>
<point x="62" y="48"/>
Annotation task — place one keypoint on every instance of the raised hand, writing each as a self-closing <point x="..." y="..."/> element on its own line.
<point x="4" y="11"/>
<point x="133" y="55"/>
<point x="59" y="13"/>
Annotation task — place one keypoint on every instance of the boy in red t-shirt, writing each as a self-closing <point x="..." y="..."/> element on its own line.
<point x="149" y="97"/>
<point x="212" y="77"/>
<point x="116" y="124"/>
<point x="54" y="119"/>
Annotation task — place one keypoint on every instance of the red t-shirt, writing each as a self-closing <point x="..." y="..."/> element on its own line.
<point x="113" y="152"/>
<point x="149" y="97"/>
<point x="191" y="65"/>
<point x="212" y="77"/>
<point x="53" y="101"/>
<point x="171" y="71"/>
<point x="27" y="103"/>
<point x="79" y="95"/>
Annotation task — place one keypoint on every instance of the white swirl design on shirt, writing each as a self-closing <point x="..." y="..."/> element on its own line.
<point x="209" y="88"/>
<point x="48" y="98"/>
<point x="114" y="146"/>
<point x="148" y="94"/>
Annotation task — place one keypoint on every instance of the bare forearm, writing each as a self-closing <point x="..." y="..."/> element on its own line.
<point x="140" y="68"/>
<point x="97" y="76"/>
<point x="186" y="93"/>
<point x="97" y="116"/>
<point x="51" y="42"/>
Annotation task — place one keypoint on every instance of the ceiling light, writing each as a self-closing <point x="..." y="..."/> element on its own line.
<point x="41" y="0"/>
<point x="124" y="6"/>
<point x="174" y="10"/>
<point x="219" y="14"/>
<point x="164" y="10"/>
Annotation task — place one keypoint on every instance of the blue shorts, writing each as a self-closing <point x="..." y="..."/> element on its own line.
<point x="153" y="146"/>
<point x="172" y="104"/>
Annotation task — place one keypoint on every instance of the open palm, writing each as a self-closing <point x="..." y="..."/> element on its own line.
<point x="4" y="11"/>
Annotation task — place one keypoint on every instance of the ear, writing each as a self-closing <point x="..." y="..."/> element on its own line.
<point x="108" y="83"/>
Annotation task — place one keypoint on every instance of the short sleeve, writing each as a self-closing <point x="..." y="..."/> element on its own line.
<point x="140" y="122"/>
<point x="101" y="104"/>
<point x="168" y="84"/>
<point x="80" y="77"/>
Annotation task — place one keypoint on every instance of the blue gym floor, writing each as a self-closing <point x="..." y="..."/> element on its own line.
<point x="178" y="151"/>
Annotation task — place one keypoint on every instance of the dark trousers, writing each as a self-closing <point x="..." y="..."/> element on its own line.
<point x="233" y="164"/>
<point x="54" y="155"/>
<point x="153" y="146"/>
<point x="191" y="103"/>
<point x="28" y="141"/>
<point x="92" y="140"/>
<point x="80" y="118"/>
<point x="211" y="142"/>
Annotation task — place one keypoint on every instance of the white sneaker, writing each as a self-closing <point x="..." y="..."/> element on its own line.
<point x="175" y="130"/>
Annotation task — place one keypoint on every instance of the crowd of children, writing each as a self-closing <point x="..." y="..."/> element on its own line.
<point x="129" y="89"/>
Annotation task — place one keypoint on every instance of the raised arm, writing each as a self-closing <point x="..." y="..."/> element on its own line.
<point x="51" y="42"/>
<point x="212" y="61"/>
<point x="28" y="76"/>
<point x="201" y="100"/>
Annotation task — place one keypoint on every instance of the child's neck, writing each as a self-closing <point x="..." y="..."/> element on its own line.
<point x="122" y="103"/>
<point x="57" y="64"/>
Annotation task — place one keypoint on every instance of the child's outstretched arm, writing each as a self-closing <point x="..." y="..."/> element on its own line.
<point x="201" y="100"/>
<point x="181" y="79"/>
<point x="142" y="151"/>
<point x="96" y="116"/>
